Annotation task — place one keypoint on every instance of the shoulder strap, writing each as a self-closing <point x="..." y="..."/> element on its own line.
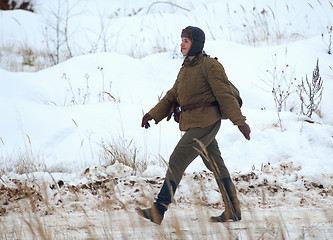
<point x="204" y="65"/>
<point x="204" y="68"/>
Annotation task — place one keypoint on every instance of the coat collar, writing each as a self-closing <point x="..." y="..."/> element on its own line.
<point x="190" y="63"/>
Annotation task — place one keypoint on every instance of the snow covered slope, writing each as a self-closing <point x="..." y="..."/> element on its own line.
<point x="58" y="119"/>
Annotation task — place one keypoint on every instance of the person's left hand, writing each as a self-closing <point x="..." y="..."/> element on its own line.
<point x="145" y="120"/>
<point x="245" y="129"/>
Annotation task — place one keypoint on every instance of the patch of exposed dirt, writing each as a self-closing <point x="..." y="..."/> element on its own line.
<point x="266" y="188"/>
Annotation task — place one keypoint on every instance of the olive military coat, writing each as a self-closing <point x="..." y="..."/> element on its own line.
<point x="192" y="87"/>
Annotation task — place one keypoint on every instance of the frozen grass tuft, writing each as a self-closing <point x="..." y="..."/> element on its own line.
<point x="122" y="151"/>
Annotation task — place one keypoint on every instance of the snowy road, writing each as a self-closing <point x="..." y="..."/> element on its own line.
<point x="180" y="223"/>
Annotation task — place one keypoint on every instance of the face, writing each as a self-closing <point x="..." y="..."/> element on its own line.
<point x="185" y="45"/>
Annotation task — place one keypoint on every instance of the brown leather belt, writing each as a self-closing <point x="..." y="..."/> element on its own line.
<point x="198" y="105"/>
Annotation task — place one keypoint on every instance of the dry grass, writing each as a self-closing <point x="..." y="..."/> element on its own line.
<point x="22" y="58"/>
<point x="257" y="26"/>
<point x="103" y="208"/>
<point x="124" y="152"/>
<point x="181" y="222"/>
<point x="23" y="160"/>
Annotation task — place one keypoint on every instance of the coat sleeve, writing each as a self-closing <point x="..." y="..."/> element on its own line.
<point x="221" y="89"/>
<point x="162" y="108"/>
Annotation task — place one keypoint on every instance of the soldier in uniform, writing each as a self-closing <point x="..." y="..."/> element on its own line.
<point x="204" y="96"/>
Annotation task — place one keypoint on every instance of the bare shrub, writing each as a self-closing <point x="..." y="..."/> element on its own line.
<point x="57" y="34"/>
<point x="281" y="81"/>
<point x="310" y="93"/>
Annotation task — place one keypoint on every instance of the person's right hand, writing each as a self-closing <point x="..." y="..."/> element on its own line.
<point x="245" y="130"/>
<point x="145" y="120"/>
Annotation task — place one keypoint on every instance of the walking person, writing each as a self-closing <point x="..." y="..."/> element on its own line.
<point x="204" y="95"/>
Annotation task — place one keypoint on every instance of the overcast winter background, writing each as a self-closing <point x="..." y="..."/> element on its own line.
<point x="76" y="78"/>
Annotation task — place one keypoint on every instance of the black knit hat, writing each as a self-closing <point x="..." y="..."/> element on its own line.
<point x="198" y="39"/>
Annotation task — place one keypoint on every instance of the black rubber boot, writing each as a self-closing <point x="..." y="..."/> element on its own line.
<point x="164" y="198"/>
<point x="231" y="202"/>
<point x="154" y="214"/>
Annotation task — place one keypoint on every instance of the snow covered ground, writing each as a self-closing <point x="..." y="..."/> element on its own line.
<point x="180" y="223"/>
<point x="58" y="125"/>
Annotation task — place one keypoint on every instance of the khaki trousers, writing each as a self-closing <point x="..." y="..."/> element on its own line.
<point x="185" y="152"/>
